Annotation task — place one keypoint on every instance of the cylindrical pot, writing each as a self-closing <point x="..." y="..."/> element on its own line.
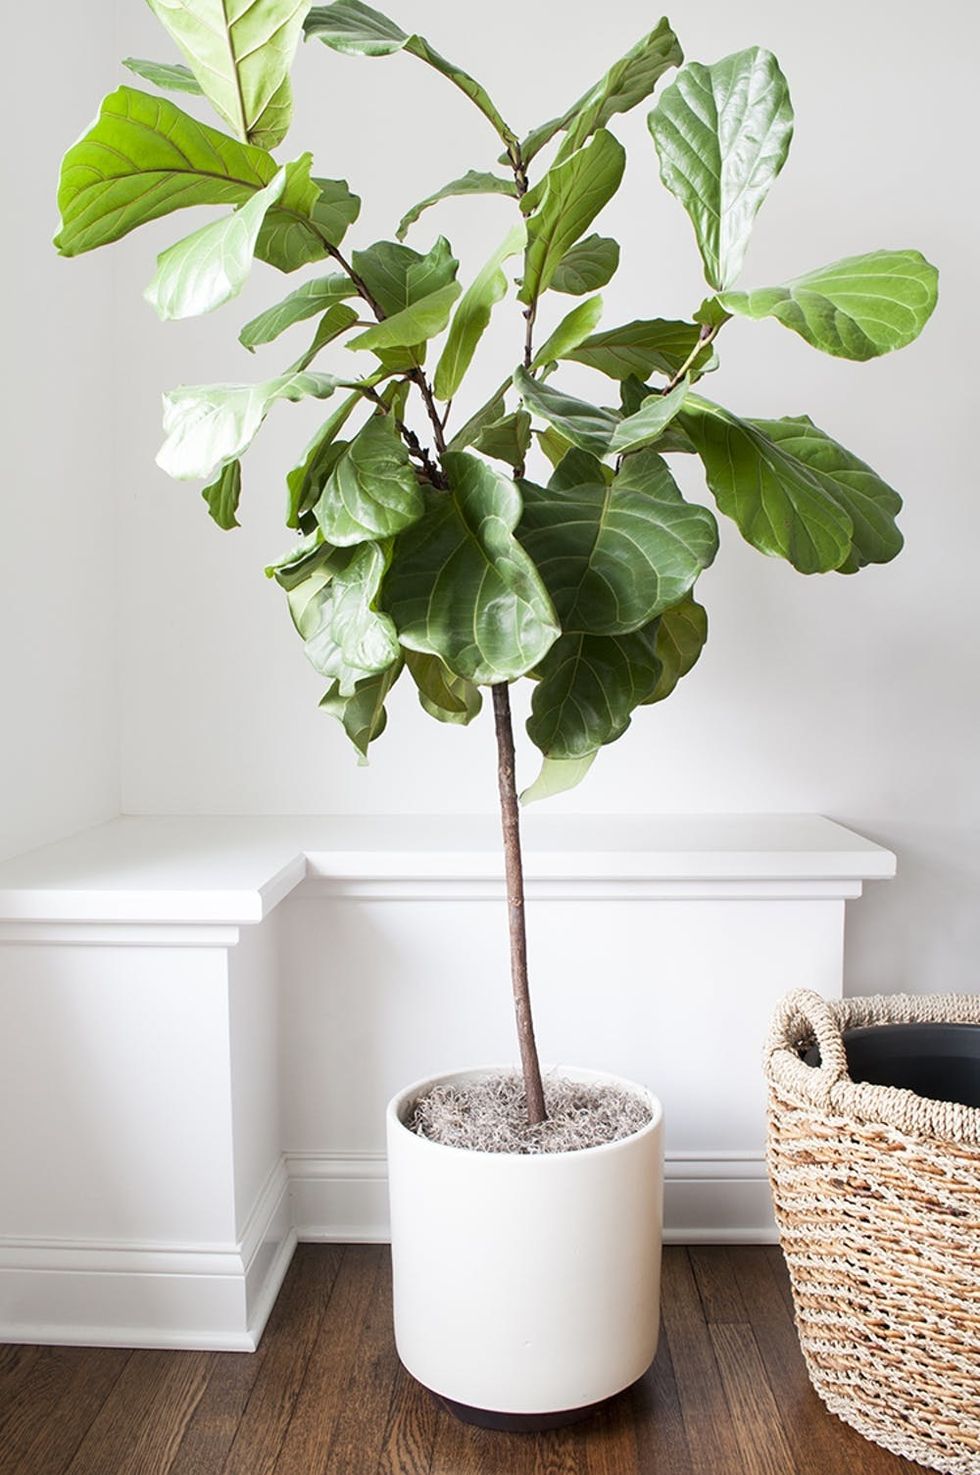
<point x="525" y="1285"/>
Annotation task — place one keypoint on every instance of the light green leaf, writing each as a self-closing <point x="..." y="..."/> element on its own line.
<point x="396" y="276"/>
<point x="654" y="346"/>
<point x="573" y="329"/>
<point x="488" y="414"/>
<point x="507" y="439"/>
<point x="356" y="29"/>
<point x="335" y="611"/>
<point x="588" y="688"/>
<point x="296" y="566"/>
<point x="444" y="696"/>
<point x="223" y="495"/>
<point x="208" y="425"/>
<point x="614" y="556"/>
<point x="209" y="267"/>
<point x="171" y="76"/>
<point x="415" y="324"/>
<point x="241" y="58"/>
<point x="557" y="775"/>
<point x="627" y="83"/>
<point x="586" y="266"/>
<point x="857" y="308"/>
<point x="600" y="431"/>
<point x="870" y="503"/>
<point x="307" y="301"/>
<point x="473" y="182"/>
<point x="563" y="205"/>
<point x="682" y="633"/>
<point x="461" y="586"/>
<point x="473" y="315"/>
<point x="335" y="321"/>
<point x="723" y="133"/>
<point x="371" y="491"/>
<point x="305" y="481"/>
<point x="781" y="506"/>
<point x="363" y="714"/>
<point x="555" y="446"/>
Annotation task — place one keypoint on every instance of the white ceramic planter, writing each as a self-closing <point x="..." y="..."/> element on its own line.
<point x="525" y="1284"/>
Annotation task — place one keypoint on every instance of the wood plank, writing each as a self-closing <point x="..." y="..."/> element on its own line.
<point x="660" y="1436"/>
<point x="817" y="1438"/>
<point x="290" y="1343"/>
<point x="704" y="1408"/>
<point x="138" y="1429"/>
<point x="461" y="1449"/>
<point x="716" y="1283"/>
<point x="341" y="1414"/>
<point x="54" y="1411"/>
<point x="410" y="1435"/>
<point x="758" y="1432"/>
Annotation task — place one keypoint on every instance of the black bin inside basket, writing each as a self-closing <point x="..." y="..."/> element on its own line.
<point x="939" y="1061"/>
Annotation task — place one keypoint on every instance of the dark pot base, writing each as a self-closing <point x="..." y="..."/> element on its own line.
<point x="485" y="1418"/>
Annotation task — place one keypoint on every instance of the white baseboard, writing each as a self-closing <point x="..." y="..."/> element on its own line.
<point x="709" y="1198"/>
<point x="130" y="1294"/>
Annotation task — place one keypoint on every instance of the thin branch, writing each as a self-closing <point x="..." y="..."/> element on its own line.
<point x="706" y="336"/>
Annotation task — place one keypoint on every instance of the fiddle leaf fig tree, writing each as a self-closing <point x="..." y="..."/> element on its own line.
<point x="431" y="548"/>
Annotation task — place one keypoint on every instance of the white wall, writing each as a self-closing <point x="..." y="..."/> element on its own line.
<point x="59" y="766"/>
<point x="854" y="697"/>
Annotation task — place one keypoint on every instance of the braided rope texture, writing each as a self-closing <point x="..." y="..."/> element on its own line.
<point x="877" y="1198"/>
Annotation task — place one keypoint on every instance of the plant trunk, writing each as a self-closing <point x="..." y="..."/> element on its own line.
<point x="514" y="867"/>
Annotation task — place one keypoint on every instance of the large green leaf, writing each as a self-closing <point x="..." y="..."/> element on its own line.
<point x="461" y="586"/>
<point x="371" y="491"/>
<point x="144" y="157"/>
<point x="723" y="133"/>
<point x="415" y="324"/>
<point x="682" y="633"/>
<point x="208" y="425"/>
<point x="209" y="267"/>
<point x="335" y="610"/>
<point x="363" y="713"/>
<point x="573" y="329"/>
<point x="396" y="276"/>
<point x="563" y="205"/>
<point x="506" y="439"/>
<point x="870" y="503"/>
<point x="627" y="83"/>
<point x="170" y="76"/>
<point x="588" y="688"/>
<point x="356" y="29"/>
<point x="303" y="227"/>
<point x="782" y="506"/>
<point x="587" y="266"/>
<point x="600" y="431"/>
<point x="473" y="182"/>
<point x="857" y="308"/>
<point x="472" y="316"/>
<point x="307" y="301"/>
<point x="615" y="555"/>
<point x="240" y="55"/>
<point x="653" y="346"/>
<point x="444" y="696"/>
<point x="305" y="480"/>
<point x="223" y="496"/>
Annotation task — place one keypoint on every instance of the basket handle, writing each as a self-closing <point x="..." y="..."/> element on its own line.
<point x="804" y="1012"/>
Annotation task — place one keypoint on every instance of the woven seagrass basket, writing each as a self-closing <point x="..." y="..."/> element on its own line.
<point x="877" y="1197"/>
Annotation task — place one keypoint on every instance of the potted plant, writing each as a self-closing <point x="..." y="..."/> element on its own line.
<point x="444" y="551"/>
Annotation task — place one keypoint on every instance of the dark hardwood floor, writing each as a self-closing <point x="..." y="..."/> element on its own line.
<point x="325" y="1395"/>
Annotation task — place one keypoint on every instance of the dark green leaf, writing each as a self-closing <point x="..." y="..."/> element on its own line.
<point x="222" y="496"/>
<point x="681" y="635"/>
<point x="588" y="266"/>
<point x="782" y="506"/>
<point x="654" y="346"/>
<point x="311" y="215"/>
<point x="488" y="414"/>
<point x="461" y="586"/>
<point x="415" y="324"/>
<point x="371" y="491"/>
<point x="444" y="696"/>
<point x="305" y="481"/>
<point x="396" y="276"/>
<point x="170" y="76"/>
<point x="363" y="715"/>
<point x="473" y="182"/>
<point x="472" y="316"/>
<point x="506" y="439"/>
<point x="857" y="308"/>
<point x="723" y="133"/>
<point x="600" y="431"/>
<point x="563" y="206"/>
<point x="335" y="611"/>
<point x="589" y="686"/>
<point x="307" y="301"/>
<point x="614" y="556"/>
<point x="241" y="58"/>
